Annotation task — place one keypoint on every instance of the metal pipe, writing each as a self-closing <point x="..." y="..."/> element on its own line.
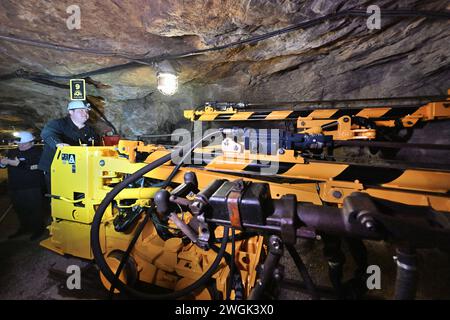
<point x="406" y="281"/>
<point x="332" y="220"/>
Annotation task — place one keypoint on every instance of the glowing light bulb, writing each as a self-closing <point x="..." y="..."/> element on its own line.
<point x="167" y="83"/>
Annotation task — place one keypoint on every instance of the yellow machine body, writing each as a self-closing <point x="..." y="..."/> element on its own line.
<point x="82" y="184"/>
<point x="81" y="178"/>
<point x="318" y="121"/>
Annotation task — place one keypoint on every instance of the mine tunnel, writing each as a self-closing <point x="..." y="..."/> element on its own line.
<point x="224" y="150"/>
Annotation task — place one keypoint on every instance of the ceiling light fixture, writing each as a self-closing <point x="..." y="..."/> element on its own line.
<point x="166" y="78"/>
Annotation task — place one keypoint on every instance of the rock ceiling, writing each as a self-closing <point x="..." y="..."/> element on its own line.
<point x="338" y="58"/>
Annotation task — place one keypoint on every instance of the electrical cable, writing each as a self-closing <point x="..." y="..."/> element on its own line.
<point x="232" y="265"/>
<point x="48" y="82"/>
<point x="101" y="262"/>
<point x="403" y="13"/>
<point x="126" y="255"/>
<point x="64" y="86"/>
<point x="181" y="162"/>
<point x="5" y="214"/>
<point x="155" y="135"/>
<point x="194" y="145"/>
<point x="301" y="267"/>
<point x="59" y="47"/>
<point x="238" y="285"/>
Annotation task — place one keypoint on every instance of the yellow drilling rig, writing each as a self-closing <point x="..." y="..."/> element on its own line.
<point x="210" y="218"/>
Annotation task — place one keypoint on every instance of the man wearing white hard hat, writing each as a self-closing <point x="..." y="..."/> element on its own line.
<point x="71" y="130"/>
<point x="25" y="185"/>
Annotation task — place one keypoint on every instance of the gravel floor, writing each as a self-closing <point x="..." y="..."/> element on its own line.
<point x="28" y="271"/>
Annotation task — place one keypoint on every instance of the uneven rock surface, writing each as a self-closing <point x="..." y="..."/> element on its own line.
<point x="340" y="58"/>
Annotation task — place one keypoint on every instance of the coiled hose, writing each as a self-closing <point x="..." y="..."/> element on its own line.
<point x="95" y="230"/>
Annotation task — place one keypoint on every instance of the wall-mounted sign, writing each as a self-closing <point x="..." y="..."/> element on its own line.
<point x="77" y="89"/>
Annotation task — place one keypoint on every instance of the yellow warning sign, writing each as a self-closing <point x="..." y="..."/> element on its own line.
<point x="77" y="89"/>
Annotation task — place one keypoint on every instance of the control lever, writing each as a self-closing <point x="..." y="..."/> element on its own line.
<point x="164" y="201"/>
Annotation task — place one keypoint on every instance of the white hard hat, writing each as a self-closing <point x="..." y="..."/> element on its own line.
<point x="78" y="104"/>
<point x="24" y="136"/>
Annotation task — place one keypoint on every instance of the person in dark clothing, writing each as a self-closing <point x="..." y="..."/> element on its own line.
<point x="25" y="184"/>
<point x="68" y="131"/>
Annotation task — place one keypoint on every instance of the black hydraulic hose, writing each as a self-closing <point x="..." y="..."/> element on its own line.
<point x="309" y="283"/>
<point x="97" y="250"/>
<point x="126" y="255"/>
<point x="136" y="61"/>
<point x="232" y="264"/>
<point x="104" y="268"/>
<point x="406" y="280"/>
<point x="229" y="260"/>
<point x="178" y="166"/>
<point x="110" y="69"/>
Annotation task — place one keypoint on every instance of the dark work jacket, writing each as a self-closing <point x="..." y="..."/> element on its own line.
<point x="26" y="175"/>
<point x="64" y="131"/>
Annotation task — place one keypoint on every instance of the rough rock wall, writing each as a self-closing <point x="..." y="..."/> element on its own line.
<point x="337" y="59"/>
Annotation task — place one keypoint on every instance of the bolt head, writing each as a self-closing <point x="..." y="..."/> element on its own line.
<point x="369" y="225"/>
<point x="337" y="194"/>
<point x="276" y="244"/>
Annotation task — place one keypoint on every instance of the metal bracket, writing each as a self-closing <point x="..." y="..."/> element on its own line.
<point x="233" y="200"/>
